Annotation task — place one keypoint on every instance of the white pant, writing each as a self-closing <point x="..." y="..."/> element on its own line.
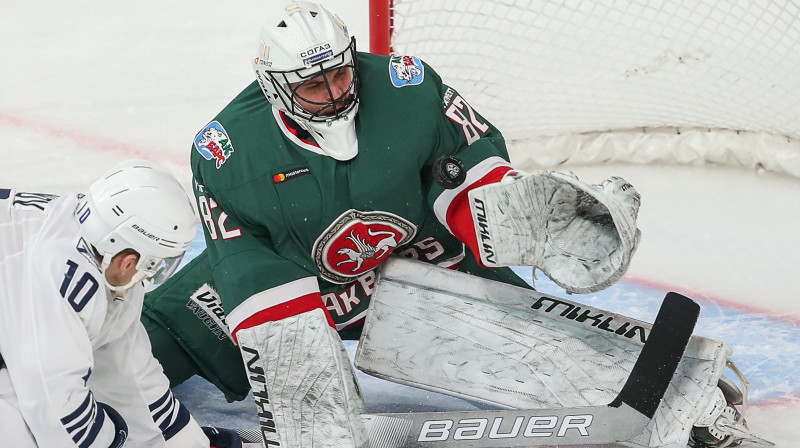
<point x="14" y="430"/>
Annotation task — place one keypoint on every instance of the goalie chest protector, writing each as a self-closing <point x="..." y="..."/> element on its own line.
<point x="332" y="219"/>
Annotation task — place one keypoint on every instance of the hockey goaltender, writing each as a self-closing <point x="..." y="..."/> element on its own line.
<point x="333" y="161"/>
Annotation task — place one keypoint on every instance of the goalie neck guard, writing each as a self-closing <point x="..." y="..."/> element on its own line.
<point x="306" y="66"/>
<point x="138" y="205"/>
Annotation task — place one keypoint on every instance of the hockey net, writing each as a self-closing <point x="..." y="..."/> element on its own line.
<point x="629" y="81"/>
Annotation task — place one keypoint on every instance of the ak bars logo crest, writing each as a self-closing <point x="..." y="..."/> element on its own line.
<point x="213" y="143"/>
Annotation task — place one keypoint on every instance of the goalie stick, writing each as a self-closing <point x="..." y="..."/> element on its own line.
<point x="625" y="417"/>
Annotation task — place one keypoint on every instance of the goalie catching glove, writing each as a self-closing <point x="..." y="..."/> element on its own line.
<point x="581" y="236"/>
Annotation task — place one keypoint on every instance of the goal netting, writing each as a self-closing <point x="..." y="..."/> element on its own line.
<point x="640" y="81"/>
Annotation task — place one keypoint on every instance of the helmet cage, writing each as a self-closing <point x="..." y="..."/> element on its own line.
<point x="332" y="109"/>
<point x="156" y="263"/>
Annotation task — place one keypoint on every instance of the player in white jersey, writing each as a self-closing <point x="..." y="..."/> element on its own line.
<point x="77" y="368"/>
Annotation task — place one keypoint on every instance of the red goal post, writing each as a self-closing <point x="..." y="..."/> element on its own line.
<point x="642" y="81"/>
<point x="380" y="26"/>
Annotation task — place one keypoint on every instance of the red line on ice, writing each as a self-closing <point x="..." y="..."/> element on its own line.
<point x="792" y="319"/>
<point x="786" y="400"/>
<point x="90" y="141"/>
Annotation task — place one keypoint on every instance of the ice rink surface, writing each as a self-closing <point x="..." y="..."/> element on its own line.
<point x="84" y="85"/>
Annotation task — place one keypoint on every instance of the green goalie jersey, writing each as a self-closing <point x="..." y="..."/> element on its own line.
<point x="282" y="219"/>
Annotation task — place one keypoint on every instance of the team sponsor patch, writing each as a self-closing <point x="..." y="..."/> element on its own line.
<point x="290" y="174"/>
<point x="358" y="242"/>
<point x="406" y="71"/>
<point x="207" y="306"/>
<point x="317" y="53"/>
<point x="213" y="143"/>
<point x="261" y="61"/>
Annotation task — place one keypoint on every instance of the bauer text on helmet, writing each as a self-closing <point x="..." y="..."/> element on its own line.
<point x="138" y="205"/>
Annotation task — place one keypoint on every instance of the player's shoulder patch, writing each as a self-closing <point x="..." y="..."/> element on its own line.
<point x="406" y="71"/>
<point x="85" y="249"/>
<point x="213" y="143"/>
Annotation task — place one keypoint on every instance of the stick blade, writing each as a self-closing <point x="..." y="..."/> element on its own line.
<point x="660" y="355"/>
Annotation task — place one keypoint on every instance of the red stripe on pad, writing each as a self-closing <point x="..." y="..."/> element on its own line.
<point x="291" y="308"/>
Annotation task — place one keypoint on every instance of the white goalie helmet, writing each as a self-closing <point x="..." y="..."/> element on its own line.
<point x="299" y="43"/>
<point x="138" y="205"/>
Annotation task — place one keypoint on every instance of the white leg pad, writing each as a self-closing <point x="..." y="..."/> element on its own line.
<point x="304" y="386"/>
<point x="465" y="336"/>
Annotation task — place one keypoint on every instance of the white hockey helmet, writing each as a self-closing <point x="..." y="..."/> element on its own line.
<point x="138" y="205"/>
<point x="302" y="41"/>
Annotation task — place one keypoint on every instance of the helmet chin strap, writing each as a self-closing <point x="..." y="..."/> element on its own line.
<point x="336" y="138"/>
<point x="118" y="292"/>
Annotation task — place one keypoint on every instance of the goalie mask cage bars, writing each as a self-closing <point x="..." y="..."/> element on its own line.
<point x="586" y="82"/>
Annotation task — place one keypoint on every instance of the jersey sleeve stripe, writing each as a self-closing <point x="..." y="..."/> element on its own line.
<point x="80" y="410"/>
<point x="179" y="420"/>
<point x="159" y="403"/>
<point x="84" y="423"/>
<point x="441" y="206"/>
<point x="459" y="216"/>
<point x="169" y="414"/>
<point x="94" y="430"/>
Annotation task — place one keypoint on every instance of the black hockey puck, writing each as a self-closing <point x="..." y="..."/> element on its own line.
<point x="449" y="172"/>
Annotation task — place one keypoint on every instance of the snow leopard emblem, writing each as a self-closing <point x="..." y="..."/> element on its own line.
<point x="213" y="143"/>
<point x="406" y="71"/>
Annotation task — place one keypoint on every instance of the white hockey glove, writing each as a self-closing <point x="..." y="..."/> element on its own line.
<point x="581" y="236"/>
